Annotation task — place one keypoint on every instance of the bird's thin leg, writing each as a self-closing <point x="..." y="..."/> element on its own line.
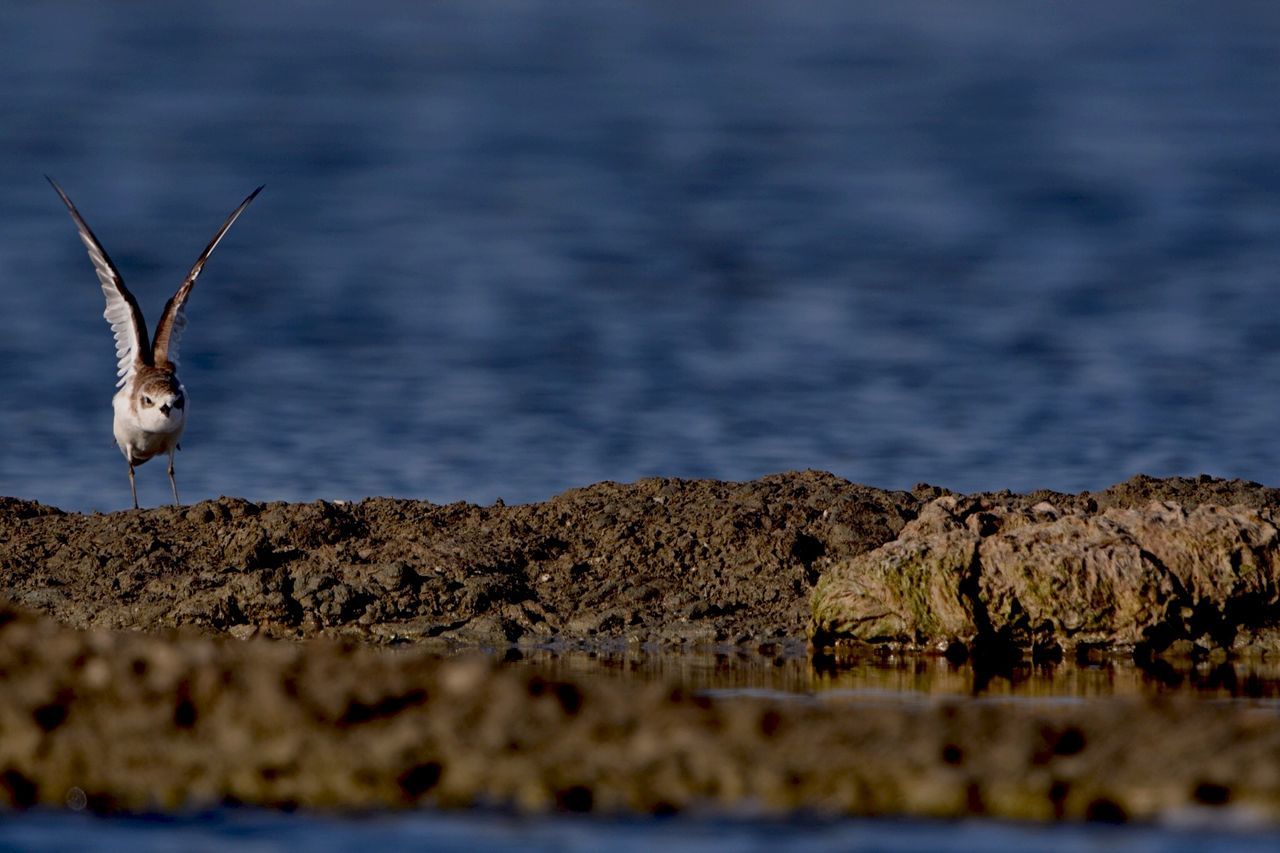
<point x="173" y="482"/>
<point x="133" y="486"/>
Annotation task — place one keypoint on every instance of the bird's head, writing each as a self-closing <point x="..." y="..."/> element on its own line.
<point x="161" y="403"/>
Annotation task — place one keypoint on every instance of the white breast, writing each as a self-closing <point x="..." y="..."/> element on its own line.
<point x="146" y="433"/>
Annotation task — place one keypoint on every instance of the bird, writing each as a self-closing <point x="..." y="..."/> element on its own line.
<point x="150" y="407"/>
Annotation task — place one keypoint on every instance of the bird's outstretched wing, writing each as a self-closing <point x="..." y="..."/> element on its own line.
<point x="122" y="312"/>
<point x="174" y="319"/>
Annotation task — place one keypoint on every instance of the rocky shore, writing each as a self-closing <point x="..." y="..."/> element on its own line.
<point x="150" y="659"/>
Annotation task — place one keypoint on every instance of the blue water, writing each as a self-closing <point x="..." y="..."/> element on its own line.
<point x="488" y="833"/>
<point x="510" y="248"/>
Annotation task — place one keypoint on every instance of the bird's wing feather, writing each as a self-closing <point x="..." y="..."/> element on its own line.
<point x="122" y="311"/>
<point x="174" y="319"/>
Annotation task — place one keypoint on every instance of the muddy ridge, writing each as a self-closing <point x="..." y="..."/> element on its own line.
<point x="664" y="560"/>
<point x="661" y="560"/>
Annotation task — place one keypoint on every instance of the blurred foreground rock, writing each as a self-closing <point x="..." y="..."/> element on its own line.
<point x="136" y="722"/>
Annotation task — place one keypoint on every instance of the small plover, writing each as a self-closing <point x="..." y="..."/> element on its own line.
<point x="151" y="405"/>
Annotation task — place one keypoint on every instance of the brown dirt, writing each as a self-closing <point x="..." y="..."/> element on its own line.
<point x="672" y="561"/>
<point x="665" y="560"/>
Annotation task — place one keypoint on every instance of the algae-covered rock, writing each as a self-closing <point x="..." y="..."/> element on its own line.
<point x="1082" y="580"/>
<point x="909" y="589"/>
<point x="1125" y="577"/>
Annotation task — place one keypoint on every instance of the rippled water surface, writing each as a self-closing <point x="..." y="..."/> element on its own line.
<point x="507" y="249"/>
<point x="488" y="833"/>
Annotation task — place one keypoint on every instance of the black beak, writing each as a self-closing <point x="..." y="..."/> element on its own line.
<point x="164" y="410"/>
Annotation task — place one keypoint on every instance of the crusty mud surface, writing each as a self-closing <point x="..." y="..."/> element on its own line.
<point x="671" y="561"/>
<point x="659" y="560"/>
<point x="150" y="659"/>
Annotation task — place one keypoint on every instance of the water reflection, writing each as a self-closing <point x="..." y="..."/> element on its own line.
<point x="785" y="669"/>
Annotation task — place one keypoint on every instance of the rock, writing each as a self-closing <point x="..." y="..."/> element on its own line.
<point x="1073" y="580"/>
<point x="242" y="632"/>
<point x="141" y="723"/>
<point x="1125" y="578"/>
<point x="907" y="590"/>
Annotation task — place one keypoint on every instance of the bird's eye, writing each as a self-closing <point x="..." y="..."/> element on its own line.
<point x="146" y="401"/>
<point x="179" y="402"/>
